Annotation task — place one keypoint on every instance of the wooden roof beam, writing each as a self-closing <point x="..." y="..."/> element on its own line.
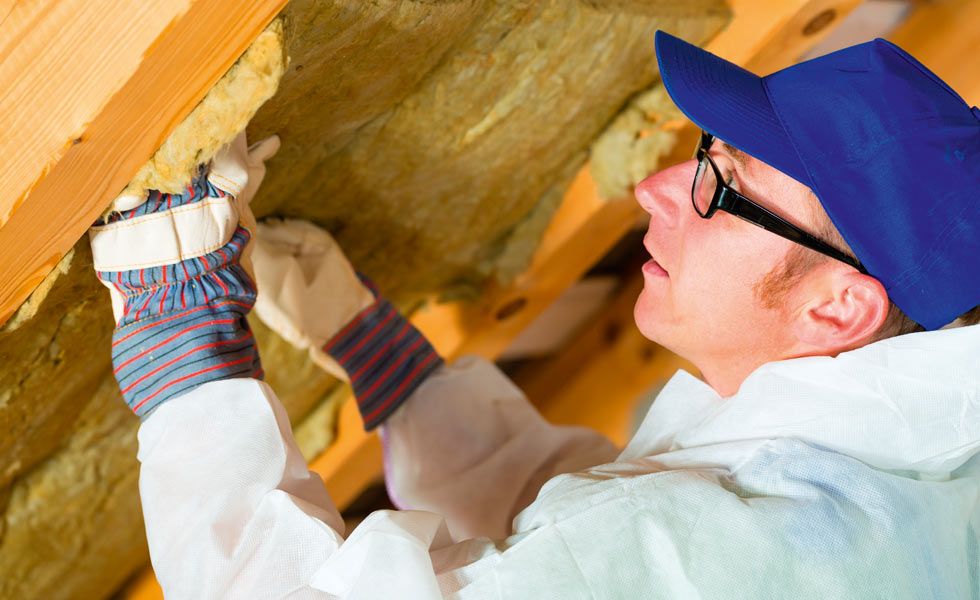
<point x="88" y="92"/>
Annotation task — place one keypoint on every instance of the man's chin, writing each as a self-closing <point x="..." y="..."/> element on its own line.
<point x="648" y="317"/>
<point x="645" y="317"/>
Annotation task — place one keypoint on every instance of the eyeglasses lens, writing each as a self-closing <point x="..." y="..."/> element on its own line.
<point x="703" y="189"/>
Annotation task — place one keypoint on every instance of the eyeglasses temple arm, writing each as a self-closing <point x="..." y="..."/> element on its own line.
<point x="740" y="206"/>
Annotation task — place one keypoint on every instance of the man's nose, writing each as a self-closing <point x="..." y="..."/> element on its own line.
<point x="665" y="193"/>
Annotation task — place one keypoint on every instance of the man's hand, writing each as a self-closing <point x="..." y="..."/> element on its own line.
<point x="310" y="294"/>
<point x="308" y="289"/>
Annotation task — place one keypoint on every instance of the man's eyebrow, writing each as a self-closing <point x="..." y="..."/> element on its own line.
<point x="740" y="157"/>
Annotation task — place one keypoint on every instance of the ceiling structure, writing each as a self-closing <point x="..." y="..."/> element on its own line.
<point x="459" y="150"/>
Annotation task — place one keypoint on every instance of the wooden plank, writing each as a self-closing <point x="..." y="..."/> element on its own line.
<point x="34" y="63"/>
<point x="767" y="35"/>
<point x="353" y="461"/>
<point x="76" y="126"/>
<point x="943" y="35"/>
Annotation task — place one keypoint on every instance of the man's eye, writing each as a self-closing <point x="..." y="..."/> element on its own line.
<point x="729" y="179"/>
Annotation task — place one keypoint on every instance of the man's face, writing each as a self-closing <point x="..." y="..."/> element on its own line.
<point x="699" y="296"/>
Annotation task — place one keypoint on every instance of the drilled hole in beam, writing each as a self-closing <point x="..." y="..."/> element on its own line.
<point x="820" y="22"/>
<point x="511" y="308"/>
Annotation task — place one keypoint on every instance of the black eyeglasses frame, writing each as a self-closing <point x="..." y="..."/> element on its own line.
<point x="725" y="198"/>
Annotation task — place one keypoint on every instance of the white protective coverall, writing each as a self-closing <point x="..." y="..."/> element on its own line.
<point x="849" y="477"/>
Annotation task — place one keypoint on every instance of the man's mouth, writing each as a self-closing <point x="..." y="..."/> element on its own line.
<point x="653" y="269"/>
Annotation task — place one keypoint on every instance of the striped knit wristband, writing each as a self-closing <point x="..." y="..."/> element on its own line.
<point x="386" y="358"/>
<point x="184" y="323"/>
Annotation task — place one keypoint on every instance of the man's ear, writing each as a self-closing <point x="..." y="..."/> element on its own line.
<point x="845" y="310"/>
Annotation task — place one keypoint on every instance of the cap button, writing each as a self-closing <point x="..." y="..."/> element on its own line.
<point x="976" y="112"/>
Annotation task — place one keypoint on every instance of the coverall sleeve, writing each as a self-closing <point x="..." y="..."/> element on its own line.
<point x="469" y="446"/>
<point x="232" y="511"/>
<point x="460" y="440"/>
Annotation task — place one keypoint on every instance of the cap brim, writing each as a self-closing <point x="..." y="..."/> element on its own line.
<point x="727" y="101"/>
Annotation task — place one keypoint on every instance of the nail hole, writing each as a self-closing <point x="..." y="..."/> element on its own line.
<point x="511" y="308"/>
<point x="612" y="332"/>
<point x="820" y="22"/>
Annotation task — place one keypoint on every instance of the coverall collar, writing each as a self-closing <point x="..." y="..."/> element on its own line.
<point x="905" y="403"/>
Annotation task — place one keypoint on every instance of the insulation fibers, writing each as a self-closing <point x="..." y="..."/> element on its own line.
<point x="223" y="112"/>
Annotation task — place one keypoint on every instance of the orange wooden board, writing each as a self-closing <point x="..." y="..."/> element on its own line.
<point x="90" y="91"/>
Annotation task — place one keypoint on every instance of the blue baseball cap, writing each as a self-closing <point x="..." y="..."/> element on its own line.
<point x="890" y="150"/>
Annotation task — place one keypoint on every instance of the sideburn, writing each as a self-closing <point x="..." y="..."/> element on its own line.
<point x="776" y="285"/>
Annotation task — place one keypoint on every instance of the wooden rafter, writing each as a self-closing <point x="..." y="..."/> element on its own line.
<point x="105" y="84"/>
<point x="945" y="36"/>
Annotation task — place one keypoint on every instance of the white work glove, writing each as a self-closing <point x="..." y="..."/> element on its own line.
<point x="311" y="295"/>
<point x="308" y="291"/>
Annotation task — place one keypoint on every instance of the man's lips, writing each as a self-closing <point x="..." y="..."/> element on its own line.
<point x="652" y="267"/>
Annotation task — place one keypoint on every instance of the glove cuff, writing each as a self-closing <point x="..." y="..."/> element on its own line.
<point x="192" y="282"/>
<point x="165" y="355"/>
<point x="182" y="324"/>
<point x="386" y="358"/>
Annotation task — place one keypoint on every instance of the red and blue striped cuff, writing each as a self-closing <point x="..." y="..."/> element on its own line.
<point x="386" y="358"/>
<point x="183" y="324"/>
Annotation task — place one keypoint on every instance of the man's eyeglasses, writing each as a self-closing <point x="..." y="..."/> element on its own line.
<point x="710" y="193"/>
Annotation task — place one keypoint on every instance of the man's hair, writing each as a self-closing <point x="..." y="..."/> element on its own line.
<point x="774" y="287"/>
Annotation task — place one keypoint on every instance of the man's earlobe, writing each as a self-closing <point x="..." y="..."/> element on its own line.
<point x="847" y="315"/>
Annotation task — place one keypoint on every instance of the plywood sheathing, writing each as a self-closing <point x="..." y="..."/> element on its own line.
<point x="424" y="134"/>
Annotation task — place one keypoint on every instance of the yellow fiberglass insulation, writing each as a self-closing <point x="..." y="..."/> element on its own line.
<point x="223" y="112"/>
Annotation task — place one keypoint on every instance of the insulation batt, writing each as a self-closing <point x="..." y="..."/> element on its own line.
<point x="225" y="111"/>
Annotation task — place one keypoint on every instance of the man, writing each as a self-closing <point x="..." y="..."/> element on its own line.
<point x="822" y="456"/>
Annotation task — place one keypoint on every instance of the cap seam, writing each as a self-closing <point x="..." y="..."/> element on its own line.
<point x="782" y="123"/>
<point x="934" y="254"/>
<point x="924" y="70"/>
<point x="789" y="134"/>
